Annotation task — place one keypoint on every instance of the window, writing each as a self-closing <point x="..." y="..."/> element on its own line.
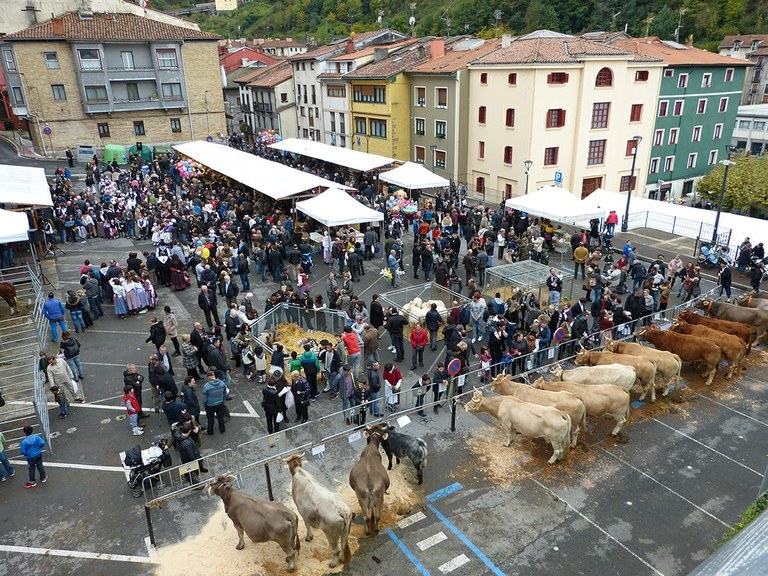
<point x="512" y="78"/>
<point x="682" y="81"/>
<point x="507" y="191"/>
<point x="342" y="123"/>
<point x="368" y="93"/>
<point x="744" y="124"/>
<point x="701" y="107"/>
<point x="419" y="154"/>
<point x="696" y="137"/>
<point x="480" y="185"/>
<point x="379" y="128"/>
<point x="677" y="109"/>
<point x="10" y="60"/>
<point x="555" y="118"/>
<point x="337" y="91"/>
<point x="89" y="59"/>
<point x="706" y="80"/>
<point x="589" y="185"/>
<point x="604" y="77"/>
<point x="441" y="97"/>
<point x="600" y="112"/>
<point x="58" y="92"/>
<point x="481" y="149"/>
<point x="175" y="125"/>
<point x="440" y="159"/>
<point x="419" y="126"/>
<point x="302" y="112"/>
<point x="758" y="125"/>
<point x="712" y="158"/>
<point x="166" y="58"/>
<point x="636" y="113"/>
<point x="596" y="153"/>
<point x="624" y="184"/>
<point x="658" y="137"/>
<point x="669" y="163"/>
<point x="126" y="58"/>
<point x="691" y="160"/>
<point x="718" y="133"/>
<point x="18" y="95"/>
<point x="550" y="156"/>
<point x="484" y="78"/>
<point x="641" y="76"/>
<point x="171" y="91"/>
<point x="283" y="97"/>
<point x="333" y="121"/>
<point x="668" y="73"/>
<point x="421" y="96"/>
<point x="360" y="126"/>
<point x="103" y="129"/>
<point x="510" y="118"/>
<point x="314" y="96"/>
<point x="729" y="75"/>
<point x="630" y="150"/>
<point x="736" y="45"/>
<point x="663" y="106"/>
<point x="723" y="106"/>
<point x="51" y="60"/>
<point x="673" y="133"/>
<point x="557" y="78"/>
<point x="507" y="154"/>
<point x="440" y="129"/>
<point x="654" y="166"/>
<point x="481" y="115"/>
<point x="133" y="90"/>
<point x="138" y="128"/>
<point x="755" y="44"/>
<point x="95" y="93"/>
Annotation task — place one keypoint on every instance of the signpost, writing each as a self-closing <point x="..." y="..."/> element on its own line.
<point x="47" y="130"/>
<point x="558" y="177"/>
<point x="209" y="138"/>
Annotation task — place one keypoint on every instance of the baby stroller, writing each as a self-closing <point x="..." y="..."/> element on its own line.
<point x="145" y="463"/>
<point x="707" y="257"/>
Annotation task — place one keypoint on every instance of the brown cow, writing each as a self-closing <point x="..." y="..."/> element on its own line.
<point x="644" y="368"/>
<point x="741" y="331"/>
<point x="668" y="365"/>
<point x="261" y="520"/>
<point x="757" y="319"/>
<point x="733" y="348"/>
<point x="369" y="479"/>
<point x="689" y="348"/>
<point x="8" y="293"/>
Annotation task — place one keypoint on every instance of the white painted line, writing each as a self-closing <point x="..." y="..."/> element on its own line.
<point x="431" y="541"/>
<point x="651" y="478"/>
<point x="116" y="332"/>
<point x="250" y="408"/>
<point x="708" y="447"/>
<point x="151" y="550"/>
<point x="603" y="531"/>
<point x="412" y="519"/>
<point x="94" y="467"/>
<point x="76" y="554"/>
<point x="103" y="364"/>
<point x="451" y="565"/>
<point x="100" y="407"/>
<point x="733" y="410"/>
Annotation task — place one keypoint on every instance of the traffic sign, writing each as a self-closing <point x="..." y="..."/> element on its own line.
<point x="47" y="130"/>
<point x="454" y="367"/>
<point x="209" y="138"/>
<point x="559" y="177"/>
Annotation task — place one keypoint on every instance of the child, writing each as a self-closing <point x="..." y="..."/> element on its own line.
<point x="61" y="400"/>
<point x="485" y="365"/>
<point x="42" y="365"/>
<point x="32" y="448"/>
<point x="420" y="390"/>
<point x="363" y="394"/>
<point x="295" y="364"/>
<point x="260" y="364"/>
<point x="132" y="407"/>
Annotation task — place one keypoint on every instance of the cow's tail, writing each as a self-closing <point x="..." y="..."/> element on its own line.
<point x="424" y="452"/>
<point x="345" y="540"/>
<point x="13" y="296"/>
<point x="295" y="540"/>
<point x="567" y="440"/>
<point x="679" y="370"/>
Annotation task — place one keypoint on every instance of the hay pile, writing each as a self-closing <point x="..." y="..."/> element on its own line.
<point x="293" y="338"/>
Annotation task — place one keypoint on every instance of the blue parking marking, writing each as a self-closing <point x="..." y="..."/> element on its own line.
<point x="443" y="492"/>
<point x="404" y="549"/>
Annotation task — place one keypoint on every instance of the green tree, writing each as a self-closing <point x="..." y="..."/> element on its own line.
<point x="540" y="16"/>
<point x="664" y="24"/>
<point x="746" y="189"/>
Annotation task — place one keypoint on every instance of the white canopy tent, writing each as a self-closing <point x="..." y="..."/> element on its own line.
<point x="335" y="207"/>
<point x="24" y="186"/>
<point x="554" y="203"/>
<point x="14" y="227"/>
<point x="353" y="159"/>
<point x="412" y="176"/>
<point x="270" y="178"/>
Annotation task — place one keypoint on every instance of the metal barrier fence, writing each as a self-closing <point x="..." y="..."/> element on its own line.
<point x="41" y="403"/>
<point x="323" y="320"/>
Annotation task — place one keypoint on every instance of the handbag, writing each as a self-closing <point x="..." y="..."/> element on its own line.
<point x="279" y="417"/>
<point x="74" y="386"/>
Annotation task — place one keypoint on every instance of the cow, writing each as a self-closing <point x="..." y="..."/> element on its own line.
<point x="668" y="365"/>
<point x="321" y="508"/>
<point x="261" y="520"/>
<point x="402" y="446"/>
<point x="528" y="419"/>
<point x="732" y="347"/>
<point x="598" y="399"/>
<point x="742" y="331"/>
<point x="757" y="319"/>
<point x="563" y="401"/>
<point x="616" y="374"/>
<point x="644" y="368"/>
<point x="369" y="479"/>
<point x="8" y="293"/>
<point x="689" y="348"/>
<point x="753" y="300"/>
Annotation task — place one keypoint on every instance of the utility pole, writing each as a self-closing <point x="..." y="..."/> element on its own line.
<point x="497" y="16"/>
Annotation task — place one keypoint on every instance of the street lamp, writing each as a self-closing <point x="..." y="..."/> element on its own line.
<point x="625" y="221"/>
<point x="727" y="164"/>
<point x="528" y="164"/>
<point x="432" y="148"/>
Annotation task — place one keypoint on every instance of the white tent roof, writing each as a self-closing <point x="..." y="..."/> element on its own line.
<point x="24" y="186"/>
<point x="346" y="157"/>
<point x="554" y="203"/>
<point x="270" y="178"/>
<point x="13" y="227"/>
<point x="411" y="176"/>
<point x="335" y="207"/>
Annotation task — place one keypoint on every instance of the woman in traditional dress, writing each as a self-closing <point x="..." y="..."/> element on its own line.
<point x="178" y="281"/>
<point x="327" y="245"/>
<point x="141" y="293"/>
<point x="150" y="290"/>
<point x="118" y="297"/>
<point x="163" y="268"/>
<point x="131" y="298"/>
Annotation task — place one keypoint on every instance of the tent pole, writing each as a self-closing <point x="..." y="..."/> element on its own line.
<point x="39" y="232"/>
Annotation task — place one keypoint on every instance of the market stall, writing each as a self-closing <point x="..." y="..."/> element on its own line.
<point x="346" y="157"/>
<point x="24" y="186"/>
<point x="335" y="207"/>
<point x="412" y="176"/>
<point x="14" y="227"/>
<point x="556" y="204"/>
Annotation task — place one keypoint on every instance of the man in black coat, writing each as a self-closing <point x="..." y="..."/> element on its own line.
<point x="206" y="300"/>
<point x="191" y="400"/>
<point x="395" y="323"/>
<point x="230" y="290"/>
<point x="219" y="362"/>
<point x="724" y="279"/>
<point x="165" y="382"/>
<point x="376" y="313"/>
<point x="433" y="320"/>
<point x="197" y="338"/>
<point x="189" y="451"/>
<point x="156" y="332"/>
<point x="579" y="307"/>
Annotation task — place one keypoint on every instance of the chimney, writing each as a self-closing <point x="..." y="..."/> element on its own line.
<point x="436" y="48"/>
<point x="380" y="54"/>
<point x="350" y="45"/>
<point x="58" y="26"/>
<point x="506" y="40"/>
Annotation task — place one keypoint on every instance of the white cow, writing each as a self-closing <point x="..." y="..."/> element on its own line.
<point x="616" y="374"/>
<point x="321" y="508"/>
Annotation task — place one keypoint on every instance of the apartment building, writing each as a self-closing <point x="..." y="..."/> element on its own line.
<point x="754" y="49"/>
<point x="268" y="101"/>
<point x="750" y="132"/>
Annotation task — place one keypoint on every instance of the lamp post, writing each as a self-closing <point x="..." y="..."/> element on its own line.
<point x="528" y="164"/>
<point x="727" y="164"/>
<point x="625" y="221"/>
<point x="432" y="148"/>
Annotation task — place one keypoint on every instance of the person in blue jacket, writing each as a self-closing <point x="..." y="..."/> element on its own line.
<point x="32" y="448"/>
<point x="53" y="310"/>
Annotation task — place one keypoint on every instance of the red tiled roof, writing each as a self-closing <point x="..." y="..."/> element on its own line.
<point x="549" y="50"/>
<point x="454" y="60"/>
<point x="109" y="27"/>
<point x="271" y="76"/>
<point x="676" y="56"/>
<point x="746" y="40"/>
<point x="412" y="53"/>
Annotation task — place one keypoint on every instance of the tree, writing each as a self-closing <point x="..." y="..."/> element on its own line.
<point x="540" y="16"/>
<point x="746" y="189"/>
<point x="664" y="24"/>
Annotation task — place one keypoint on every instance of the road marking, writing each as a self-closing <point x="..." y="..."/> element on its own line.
<point x="100" y="407"/>
<point x="699" y="508"/>
<point x="443" y="492"/>
<point x="412" y="519"/>
<point x="115" y="332"/>
<point x="733" y="410"/>
<point x="404" y="549"/>
<point x="94" y="467"/>
<point x="431" y="541"/>
<point x="103" y="364"/>
<point x="250" y="409"/>
<point x="451" y="565"/>
<point x="151" y="550"/>
<point x="604" y="532"/>
<point x="76" y="554"/>
<point x="477" y="552"/>
<point x="708" y="447"/>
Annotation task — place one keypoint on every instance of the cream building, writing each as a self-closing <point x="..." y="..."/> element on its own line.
<point x="568" y="105"/>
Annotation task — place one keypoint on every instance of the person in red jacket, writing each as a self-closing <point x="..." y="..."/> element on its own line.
<point x="352" y="344"/>
<point x="419" y="340"/>
<point x="133" y="409"/>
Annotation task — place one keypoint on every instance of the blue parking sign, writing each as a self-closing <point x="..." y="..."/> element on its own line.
<point x="559" y="177"/>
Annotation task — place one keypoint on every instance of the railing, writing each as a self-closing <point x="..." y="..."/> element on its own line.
<point x="323" y="320"/>
<point x="41" y="403"/>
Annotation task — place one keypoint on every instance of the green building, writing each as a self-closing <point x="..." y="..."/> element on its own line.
<point x="695" y="113"/>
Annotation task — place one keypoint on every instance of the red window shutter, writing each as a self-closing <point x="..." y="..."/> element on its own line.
<point x="565" y="78"/>
<point x="562" y="117"/>
<point x="549" y="78"/>
<point x="510" y="120"/>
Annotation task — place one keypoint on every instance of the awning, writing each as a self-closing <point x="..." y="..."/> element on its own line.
<point x="411" y="176"/>
<point x="346" y="157"/>
<point x="24" y="186"/>
<point x="270" y="178"/>
<point x="14" y="227"/>
<point x="335" y="207"/>
<point x="554" y="203"/>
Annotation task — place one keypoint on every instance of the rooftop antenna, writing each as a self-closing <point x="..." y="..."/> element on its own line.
<point x="679" y="24"/>
<point x="497" y="16"/>
<point x="412" y="19"/>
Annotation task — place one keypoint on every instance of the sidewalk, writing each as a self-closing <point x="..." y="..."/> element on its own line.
<point x="23" y="146"/>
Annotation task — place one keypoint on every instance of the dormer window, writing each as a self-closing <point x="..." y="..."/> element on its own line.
<point x="736" y="45"/>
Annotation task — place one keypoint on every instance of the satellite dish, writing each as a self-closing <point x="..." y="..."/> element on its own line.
<point x="379" y="19"/>
<point x="412" y="21"/>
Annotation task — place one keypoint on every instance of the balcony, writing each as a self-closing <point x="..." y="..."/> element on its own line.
<point x="756" y="77"/>
<point x="419" y="132"/>
<point x="440" y="136"/>
<point x="123" y="73"/>
<point x="130" y="105"/>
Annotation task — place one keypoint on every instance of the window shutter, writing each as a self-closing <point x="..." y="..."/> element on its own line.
<point x="562" y="117"/>
<point x="549" y="78"/>
<point x="565" y="78"/>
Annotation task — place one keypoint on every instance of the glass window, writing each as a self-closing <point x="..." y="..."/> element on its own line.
<point x="421" y="96"/>
<point x="89" y="59"/>
<point x="658" y="137"/>
<point x="507" y="154"/>
<point x="172" y="91"/>
<point x="138" y="128"/>
<point x="103" y="128"/>
<point x="668" y="73"/>
<point x="718" y="133"/>
<point x="696" y="137"/>
<point x="604" y="77"/>
<point x="52" y="60"/>
<point x="682" y="81"/>
<point x="557" y="78"/>
<point x="10" y="60"/>
<point x="706" y="80"/>
<point x="133" y="90"/>
<point x="440" y="127"/>
<point x="596" y="153"/>
<point x="723" y="106"/>
<point x="555" y="118"/>
<point x="420" y="154"/>
<point x="744" y="124"/>
<point x="379" y="128"/>
<point x="758" y="125"/>
<point x="440" y="159"/>
<point x="18" y="95"/>
<point x="600" y="112"/>
<point x="669" y="163"/>
<point x="481" y="115"/>
<point x="653" y="168"/>
<point x="673" y="132"/>
<point x="550" y="156"/>
<point x="360" y="126"/>
<point x="691" y="160"/>
<point x="701" y="107"/>
<point x="641" y="76"/>
<point x="729" y="75"/>
<point x="95" y="93"/>
<point x="677" y="109"/>
<point x="166" y="58"/>
<point x="58" y="92"/>
<point x="712" y="159"/>
<point x="510" y="118"/>
<point x="624" y="185"/>
<point x="663" y="106"/>
<point x="175" y="125"/>
<point x="483" y="78"/>
<point x="335" y="92"/>
<point x="367" y="93"/>
<point x="420" y="126"/>
<point x="481" y="149"/>
<point x="441" y="97"/>
<point x="512" y="78"/>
